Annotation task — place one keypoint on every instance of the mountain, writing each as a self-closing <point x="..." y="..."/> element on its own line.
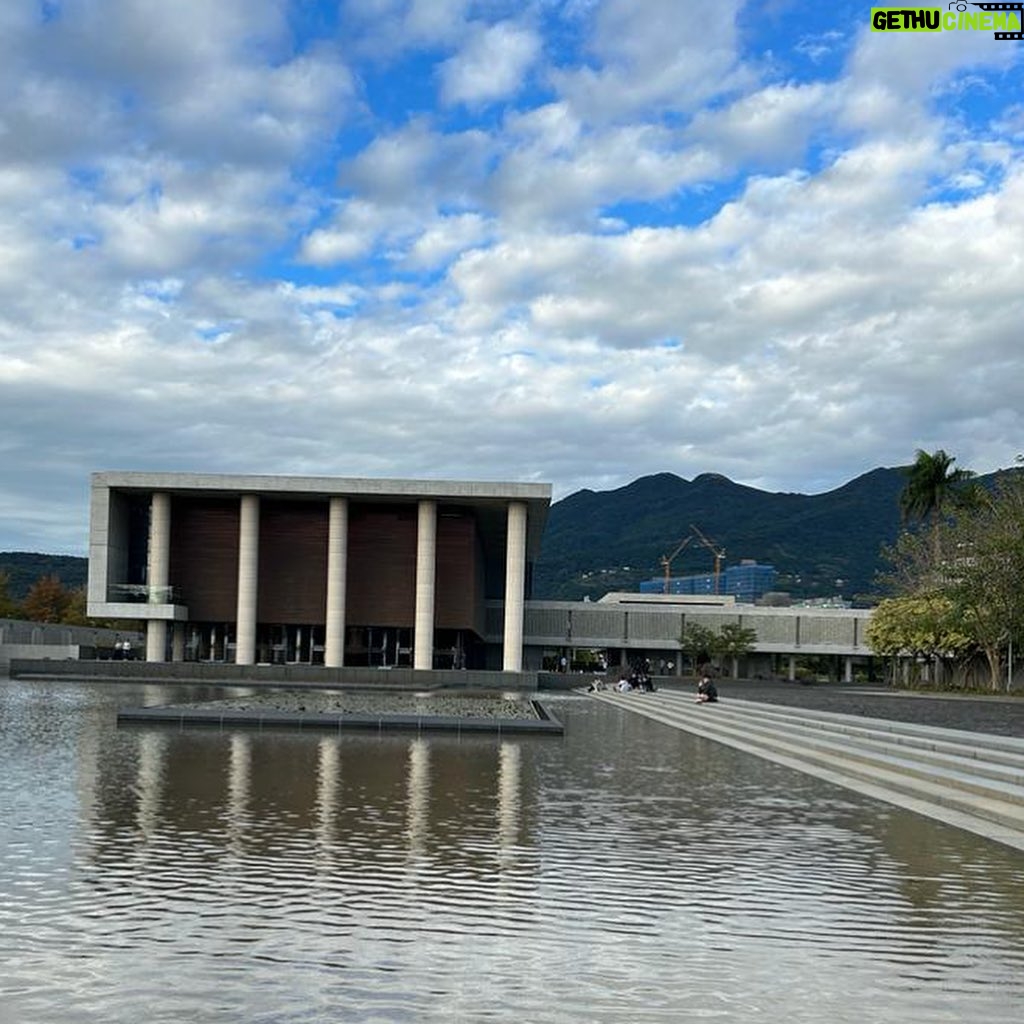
<point x="821" y="544"/>
<point x="23" y="568"/>
<point x="596" y="541"/>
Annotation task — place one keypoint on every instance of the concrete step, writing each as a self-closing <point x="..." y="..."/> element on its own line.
<point x="929" y="771"/>
<point x="999" y="749"/>
<point x="963" y="784"/>
<point x="971" y="755"/>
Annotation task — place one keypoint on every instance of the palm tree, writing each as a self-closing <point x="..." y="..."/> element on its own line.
<point x="933" y="487"/>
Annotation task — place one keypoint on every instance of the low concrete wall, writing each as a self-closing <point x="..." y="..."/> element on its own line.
<point x="58" y="652"/>
<point x="247" y="675"/>
<point x="22" y="638"/>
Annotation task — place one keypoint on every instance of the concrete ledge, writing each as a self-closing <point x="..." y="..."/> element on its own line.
<point x="276" y="675"/>
<point x="545" y="723"/>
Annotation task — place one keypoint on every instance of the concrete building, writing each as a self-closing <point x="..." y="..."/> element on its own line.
<point x="630" y="627"/>
<point x="316" y="570"/>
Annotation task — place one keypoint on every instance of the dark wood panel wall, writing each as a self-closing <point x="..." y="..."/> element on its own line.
<point x="381" y="580"/>
<point x="459" y="590"/>
<point x="204" y="556"/>
<point x="381" y="565"/>
<point x="293" y="562"/>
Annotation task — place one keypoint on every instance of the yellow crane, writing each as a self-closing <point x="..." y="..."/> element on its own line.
<point x="666" y="560"/>
<point x="719" y="553"/>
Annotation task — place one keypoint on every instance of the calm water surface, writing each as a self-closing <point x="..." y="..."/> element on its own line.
<point x="627" y="872"/>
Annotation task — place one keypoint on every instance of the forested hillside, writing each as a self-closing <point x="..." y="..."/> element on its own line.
<point x="822" y="544"/>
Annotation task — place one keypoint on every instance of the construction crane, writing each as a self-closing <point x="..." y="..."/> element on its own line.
<point x="666" y="560"/>
<point x="719" y="553"/>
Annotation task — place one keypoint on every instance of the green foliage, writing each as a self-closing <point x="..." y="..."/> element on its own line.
<point x="933" y="486"/>
<point x="8" y="606"/>
<point x="734" y="640"/>
<point x="595" y="542"/>
<point x="24" y="568"/>
<point x="697" y="640"/>
<point x="924" y="626"/>
<point x="966" y="579"/>
<point x="731" y="640"/>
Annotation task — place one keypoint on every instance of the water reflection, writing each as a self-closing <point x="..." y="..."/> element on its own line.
<point x="627" y="872"/>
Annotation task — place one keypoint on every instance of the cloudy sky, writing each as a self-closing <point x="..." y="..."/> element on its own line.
<point x="570" y="241"/>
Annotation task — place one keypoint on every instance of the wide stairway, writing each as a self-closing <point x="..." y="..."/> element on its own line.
<point x="974" y="781"/>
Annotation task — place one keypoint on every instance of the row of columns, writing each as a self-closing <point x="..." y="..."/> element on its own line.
<point x="337" y="566"/>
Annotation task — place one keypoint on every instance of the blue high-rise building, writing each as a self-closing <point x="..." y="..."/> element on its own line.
<point x="747" y="582"/>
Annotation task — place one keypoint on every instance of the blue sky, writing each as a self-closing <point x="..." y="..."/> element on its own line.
<point x="573" y="242"/>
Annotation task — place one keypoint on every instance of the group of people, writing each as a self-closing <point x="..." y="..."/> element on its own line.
<point x="638" y="678"/>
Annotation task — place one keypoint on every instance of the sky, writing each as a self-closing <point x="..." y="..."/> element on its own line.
<point x="570" y="242"/>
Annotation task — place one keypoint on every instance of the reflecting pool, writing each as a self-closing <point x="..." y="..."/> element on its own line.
<point x="625" y="872"/>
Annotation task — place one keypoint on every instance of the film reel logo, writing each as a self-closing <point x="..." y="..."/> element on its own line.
<point x="1018" y="8"/>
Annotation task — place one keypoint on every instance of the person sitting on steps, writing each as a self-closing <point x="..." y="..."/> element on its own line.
<point x="706" y="691"/>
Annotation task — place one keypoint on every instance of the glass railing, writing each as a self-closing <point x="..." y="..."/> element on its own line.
<point x="143" y="593"/>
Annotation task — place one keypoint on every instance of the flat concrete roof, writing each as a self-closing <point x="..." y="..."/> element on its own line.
<point x="488" y="497"/>
<point x="327" y="486"/>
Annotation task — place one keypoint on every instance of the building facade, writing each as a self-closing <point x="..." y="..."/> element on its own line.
<point x="748" y="581"/>
<point x="316" y="570"/>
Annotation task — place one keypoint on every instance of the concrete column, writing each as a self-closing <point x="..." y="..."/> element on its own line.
<point x="515" y="586"/>
<point x="156" y="640"/>
<point x="248" y="579"/>
<point x="178" y="642"/>
<point x="426" y="561"/>
<point x="337" y="570"/>
<point x="848" y="670"/>
<point x="792" y="669"/>
<point x="158" y="571"/>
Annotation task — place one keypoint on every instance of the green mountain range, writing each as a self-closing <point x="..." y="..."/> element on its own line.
<point x="23" y="568"/>
<point x="821" y="544"/>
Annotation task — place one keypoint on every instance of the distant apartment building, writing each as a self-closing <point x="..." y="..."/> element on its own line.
<point x="747" y="582"/>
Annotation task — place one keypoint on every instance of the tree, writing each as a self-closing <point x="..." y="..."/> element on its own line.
<point x="8" y="606"/>
<point x="986" y="579"/>
<point x="697" y="642"/>
<point x="925" y="628"/>
<point x="975" y="561"/>
<point x="734" y="641"/>
<point x="47" y="600"/>
<point x="933" y="487"/>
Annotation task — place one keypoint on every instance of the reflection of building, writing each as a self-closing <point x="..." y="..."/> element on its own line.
<point x="312" y="569"/>
<point x="238" y="794"/>
<point x="747" y="582"/>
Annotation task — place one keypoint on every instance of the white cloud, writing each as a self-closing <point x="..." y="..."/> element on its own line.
<point x="490" y="66"/>
<point x="446" y="237"/>
<point x="661" y="54"/>
<point x="226" y="245"/>
<point x="770" y="125"/>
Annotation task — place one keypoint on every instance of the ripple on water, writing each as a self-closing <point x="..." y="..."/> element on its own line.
<point x="627" y="872"/>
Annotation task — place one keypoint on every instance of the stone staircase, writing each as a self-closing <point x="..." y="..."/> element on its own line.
<point x="973" y="781"/>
